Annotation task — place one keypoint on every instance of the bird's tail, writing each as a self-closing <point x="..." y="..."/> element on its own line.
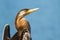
<point x="6" y="32"/>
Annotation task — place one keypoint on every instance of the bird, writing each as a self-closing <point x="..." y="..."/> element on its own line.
<point x="22" y="26"/>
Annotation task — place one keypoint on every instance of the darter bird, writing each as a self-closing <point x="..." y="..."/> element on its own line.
<point x="22" y="25"/>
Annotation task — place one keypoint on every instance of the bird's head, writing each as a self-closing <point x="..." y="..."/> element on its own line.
<point x="25" y="12"/>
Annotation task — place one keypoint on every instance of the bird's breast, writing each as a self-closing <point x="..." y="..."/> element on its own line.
<point x="22" y="23"/>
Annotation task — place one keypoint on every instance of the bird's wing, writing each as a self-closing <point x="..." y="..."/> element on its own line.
<point x="26" y="36"/>
<point x="6" y="32"/>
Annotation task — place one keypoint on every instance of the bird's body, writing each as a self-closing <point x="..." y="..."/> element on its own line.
<point x="22" y="24"/>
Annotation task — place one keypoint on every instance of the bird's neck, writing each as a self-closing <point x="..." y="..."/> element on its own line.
<point x="17" y="20"/>
<point x="17" y="23"/>
<point x="20" y="17"/>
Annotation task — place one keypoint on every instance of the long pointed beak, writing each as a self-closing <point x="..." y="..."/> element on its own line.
<point x="32" y="10"/>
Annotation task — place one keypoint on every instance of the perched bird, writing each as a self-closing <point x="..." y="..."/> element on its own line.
<point x="22" y="26"/>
